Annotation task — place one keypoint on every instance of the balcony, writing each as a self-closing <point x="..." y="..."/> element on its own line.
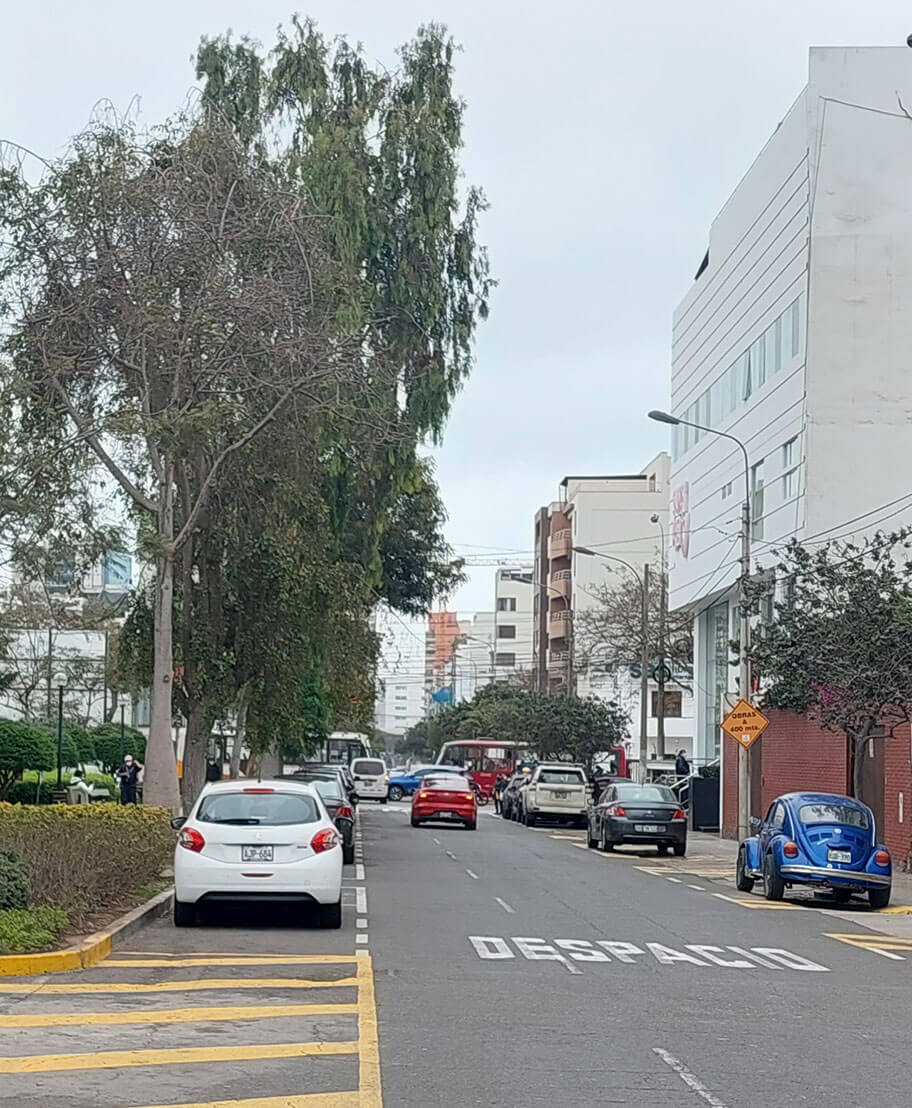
<point x="559" y="625"/>
<point x="561" y="582"/>
<point x="558" y="661"/>
<point x="560" y="543"/>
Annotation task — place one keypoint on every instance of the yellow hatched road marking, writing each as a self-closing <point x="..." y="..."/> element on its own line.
<point x="897" y="910"/>
<point x="180" y="986"/>
<point x="118" y="1059"/>
<point x="368" y="1043"/>
<point x="178" y="1015"/>
<point x="307" y="1100"/>
<point x="269" y="960"/>
<point x="755" y="902"/>
<point x="887" y="942"/>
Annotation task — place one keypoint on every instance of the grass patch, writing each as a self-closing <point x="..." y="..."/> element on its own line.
<point x="30" y="930"/>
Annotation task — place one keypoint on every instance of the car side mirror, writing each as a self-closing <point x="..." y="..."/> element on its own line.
<point x="178" y="822"/>
<point x="755" y="823"/>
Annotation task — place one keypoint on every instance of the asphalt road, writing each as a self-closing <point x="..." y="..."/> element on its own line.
<point x="503" y="968"/>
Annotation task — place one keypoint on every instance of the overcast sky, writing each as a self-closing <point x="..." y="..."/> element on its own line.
<point x="606" y="136"/>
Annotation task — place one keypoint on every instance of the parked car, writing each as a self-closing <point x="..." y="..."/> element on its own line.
<point x="817" y="839"/>
<point x="329" y="786"/>
<point x="371" y="778"/>
<point x="510" y="801"/>
<point x="407" y="781"/>
<point x="260" y="843"/>
<point x="640" y="814"/>
<point x="340" y="771"/>
<point x="445" y="797"/>
<point x="556" y="791"/>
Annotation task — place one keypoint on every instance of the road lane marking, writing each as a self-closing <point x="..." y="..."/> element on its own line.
<point x="756" y="902"/>
<point x="179" y="986"/>
<point x="177" y="1015"/>
<point x="305" y="1100"/>
<point x="369" y="1086"/>
<point x="690" y="1079"/>
<point x="359" y="872"/>
<point x="119" y="1059"/>
<point x="474" y="876"/>
<point x="677" y="880"/>
<point x="360" y="923"/>
<point x="437" y="841"/>
<point x="697" y="888"/>
<point x="361" y="900"/>
<point x="450" y="854"/>
<point x="266" y="960"/>
<point x="506" y="907"/>
<point x="884" y="945"/>
<point x="361" y="939"/>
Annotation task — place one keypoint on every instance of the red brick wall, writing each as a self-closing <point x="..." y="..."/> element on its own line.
<point x="896" y="834"/>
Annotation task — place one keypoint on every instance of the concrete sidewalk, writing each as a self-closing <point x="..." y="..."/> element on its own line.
<point x="895" y="920"/>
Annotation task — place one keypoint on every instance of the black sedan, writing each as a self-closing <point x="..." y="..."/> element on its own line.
<point x="339" y="806"/>
<point x="640" y="815"/>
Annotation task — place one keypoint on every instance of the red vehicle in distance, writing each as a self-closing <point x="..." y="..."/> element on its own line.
<point x="445" y="798"/>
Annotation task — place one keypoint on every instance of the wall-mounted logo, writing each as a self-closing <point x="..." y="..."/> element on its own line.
<point x="680" y="519"/>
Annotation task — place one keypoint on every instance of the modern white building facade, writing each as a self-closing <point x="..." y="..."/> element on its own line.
<point x="513" y="615"/>
<point x="400" y="697"/>
<point x="795" y="338"/>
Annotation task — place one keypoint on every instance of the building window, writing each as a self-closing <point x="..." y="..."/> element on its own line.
<point x="757" y="500"/>
<point x="727" y="490"/>
<point x="507" y="660"/>
<point x="789" y="469"/>
<point x="672" y="704"/>
<point x="796" y="328"/>
<point x="506" y="631"/>
<point x="506" y="604"/>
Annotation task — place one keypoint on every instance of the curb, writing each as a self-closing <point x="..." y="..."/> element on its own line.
<point x="92" y="949"/>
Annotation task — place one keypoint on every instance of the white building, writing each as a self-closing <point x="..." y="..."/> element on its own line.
<point x="400" y="698"/>
<point x="513" y="615"/>
<point x="796" y="338"/>
<point x="473" y="654"/>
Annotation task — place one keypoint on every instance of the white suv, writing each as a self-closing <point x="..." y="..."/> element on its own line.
<point x="556" y="791"/>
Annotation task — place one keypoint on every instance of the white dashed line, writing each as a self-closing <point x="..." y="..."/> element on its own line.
<point x="677" y="880"/>
<point x="361" y="939"/>
<point x="437" y="841"/>
<point x="506" y="907"/>
<point x="474" y="876"/>
<point x="361" y="924"/>
<point x="697" y="888"/>
<point x="690" y="1079"/>
<point x="359" y="872"/>
<point x="361" y="901"/>
<point x="450" y="854"/>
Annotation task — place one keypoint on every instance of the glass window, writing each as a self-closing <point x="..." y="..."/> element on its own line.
<point x="368" y="767"/>
<point x="274" y="809"/>
<point x="758" y="362"/>
<point x="560" y="777"/>
<point x="777" y="345"/>
<point x="328" y="790"/>
<point x="648" y="793"/>
<point x="778" y="816"/>
<point x="745" y="375"/>
<point x="506" y="604"/>
<point x="790" y="484"/>
<point x="506" y="631"/>
<point x="833" y="813"/>
<point x="505" y="659"/>
<point x="788" y="453"/>
<point x="796" y="327"/>
<point x="757" y="500"/>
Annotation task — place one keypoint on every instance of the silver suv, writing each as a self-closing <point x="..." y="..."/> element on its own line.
<point x="557" y="791"/>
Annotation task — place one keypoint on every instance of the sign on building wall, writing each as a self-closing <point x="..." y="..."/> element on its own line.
<point x="680" y="519"/>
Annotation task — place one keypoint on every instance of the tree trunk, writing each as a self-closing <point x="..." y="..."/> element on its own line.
<point x="240" y="735"/>
<point x="859" y="750"/>
<point x="160" y="787"/>
<point x="196" y="748"/>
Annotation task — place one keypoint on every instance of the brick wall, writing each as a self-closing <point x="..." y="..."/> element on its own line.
<point x="896" y="833"/>
<point x="729" y="787"/>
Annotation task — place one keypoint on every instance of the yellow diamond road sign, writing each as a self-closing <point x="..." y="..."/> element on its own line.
<point x="744" y="723"/>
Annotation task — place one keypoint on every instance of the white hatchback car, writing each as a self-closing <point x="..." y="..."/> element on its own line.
<point x="258" y="842"/>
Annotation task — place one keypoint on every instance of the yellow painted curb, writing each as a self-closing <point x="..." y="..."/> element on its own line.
<point x="92" y="950"/>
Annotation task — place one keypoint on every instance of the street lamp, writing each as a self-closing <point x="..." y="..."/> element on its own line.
<point x="60" y="681"/>
<point x="744" y="774"/>
<point x="660" y="667"/>
<point x="643" y="585"/>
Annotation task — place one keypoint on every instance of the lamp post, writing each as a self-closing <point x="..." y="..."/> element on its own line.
<point x="643" y="585"/>
<point x="744" y="768"/>
<point x="60" y="682"/>
<point x="123" y="744"/>
<point x="660" y="667"/>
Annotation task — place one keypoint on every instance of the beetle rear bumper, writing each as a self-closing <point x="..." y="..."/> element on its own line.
<point x="815" y="875"/>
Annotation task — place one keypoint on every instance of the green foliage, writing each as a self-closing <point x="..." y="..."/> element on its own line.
<point x="23" y="746"/>
<point x="14" y="886"/>
<point x="30" y="930"/>
<point x="107" y="745"/>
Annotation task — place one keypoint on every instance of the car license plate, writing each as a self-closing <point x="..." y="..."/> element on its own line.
<point x="450" y="815"/>
<point x="646" y="827"/>
<point x="558" y="795"/>
<point x="256" y="853"/>
<point x="839" y="856"/>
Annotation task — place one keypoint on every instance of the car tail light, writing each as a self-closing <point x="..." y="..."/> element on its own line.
<point x="470" y="796"/>
<point x="191" y="839"/>
<point x="620" y="812"/>
<point x="345" y="812"/>
<point x="790" y="850"/>
<point x="882" y="857"/>
<point x="259" y="791"/>
<point x="324" y="840"/>
<point x="679" y="814"/>
<point x="422" y="796"/>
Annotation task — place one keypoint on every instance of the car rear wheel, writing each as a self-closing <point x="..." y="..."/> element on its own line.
<point x="680" y="849"/>
<point x="591" y="842"/>
<point x="395" y="792"/>
<point x="773" y="885"/>
<point x="879" y="898"/>
<point x="605" y="844"/>
<point x="662" y="848"/>
<point x="470" y="824"/>
<point x="743" y="883"/>
<point x="184" y="914"/>
<point x="348" y="854"/>
<point x="529" y="820"/>
<point x="331" y="915"/>
<point x="416" y="822"/>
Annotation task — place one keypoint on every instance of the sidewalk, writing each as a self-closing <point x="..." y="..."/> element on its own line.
<point x="895" y="920"/>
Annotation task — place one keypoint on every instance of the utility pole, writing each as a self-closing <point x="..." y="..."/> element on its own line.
<point x="644" y="673"/>
<point x="660" y="667"/>
<point x="744" y="776"/>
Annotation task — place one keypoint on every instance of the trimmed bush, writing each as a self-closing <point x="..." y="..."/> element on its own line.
<point x="23" y="746"/>
<point x="29" y="930"/>
<point x="28" y="791"/>
<point x="14" y="886"/>
<point x="106" y="742"/>
<point x="87" y="858"/>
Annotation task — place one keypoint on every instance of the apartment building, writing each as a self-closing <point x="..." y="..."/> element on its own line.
<point x="400" y="698"/>
<point x="513" y="616"/>
<point x="794" y="338"/>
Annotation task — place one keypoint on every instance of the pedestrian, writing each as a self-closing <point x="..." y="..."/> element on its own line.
<point x="128" y="775"/>
<point x="499" y="786"/>
<point x="682" y="766"/>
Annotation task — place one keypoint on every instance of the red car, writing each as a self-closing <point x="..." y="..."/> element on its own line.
<point x="447" y="798"/>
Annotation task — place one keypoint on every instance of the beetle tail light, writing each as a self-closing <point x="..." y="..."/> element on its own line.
<point x="324" y="840"/>
<point x="790" y="850"/>
<point x="191" y="839"/>
<point x="882" y="857"/>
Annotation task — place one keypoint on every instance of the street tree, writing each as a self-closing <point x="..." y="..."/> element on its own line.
<point x="839" y="646"/>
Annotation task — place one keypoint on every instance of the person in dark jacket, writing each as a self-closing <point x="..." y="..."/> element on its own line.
<point x="682" y="766"/>
<point x="128" y="776"/>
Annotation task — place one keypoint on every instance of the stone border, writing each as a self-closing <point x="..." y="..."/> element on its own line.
<point x="92" y="949"/>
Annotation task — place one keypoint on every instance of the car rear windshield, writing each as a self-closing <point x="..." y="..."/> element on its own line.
<point x="370" y="767"/>
<point x="833" y="813"/>
<point x="446" y="781"/>
<point x="329" y="790"/>
<point x="266" y="809"/>
<point x="560" y="777"/>
<point x="648" y="792"/>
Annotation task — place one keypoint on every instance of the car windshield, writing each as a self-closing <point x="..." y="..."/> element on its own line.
<point x="329" y="790"/>
<point x="369" y="767"/>
<point x="650" y="793"/>
<point x="446" y="781"/>
<point x="273" y="809"/>
<point x="561" y="777"/>
<point x="833" y="813"/>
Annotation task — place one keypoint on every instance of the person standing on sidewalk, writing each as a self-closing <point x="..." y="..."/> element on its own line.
<point x="128" y="775"/>
<point x="682" y="766"/>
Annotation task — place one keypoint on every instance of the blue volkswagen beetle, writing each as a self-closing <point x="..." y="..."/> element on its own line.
<point x="403" y="784"/>
<point x="816" y="839"/>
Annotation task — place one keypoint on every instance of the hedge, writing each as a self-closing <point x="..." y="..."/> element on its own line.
<point x="28" y="791"/>
<point x="87" y="858"/>
<point x="23" y="746"/>
<point x="14" y="886"/>
<point x="28" y="930"/>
